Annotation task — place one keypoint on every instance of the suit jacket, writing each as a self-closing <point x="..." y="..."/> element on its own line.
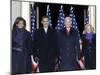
<point x="45" y="45"/>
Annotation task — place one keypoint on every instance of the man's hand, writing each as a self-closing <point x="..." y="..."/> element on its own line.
<point x="36" y="59"/>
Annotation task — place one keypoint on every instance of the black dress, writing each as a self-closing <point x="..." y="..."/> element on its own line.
<point x="46" y="44"/>
<point x="69" y="50"/>
<point x="89" y="52"/>
<point x="21" y="51"/>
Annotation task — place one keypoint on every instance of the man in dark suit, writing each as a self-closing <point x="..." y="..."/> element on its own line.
<point x="45" y="42"/>
<point x="69" y="47"/>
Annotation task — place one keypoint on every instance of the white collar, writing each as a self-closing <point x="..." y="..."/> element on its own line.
<point x="45" y="29"/>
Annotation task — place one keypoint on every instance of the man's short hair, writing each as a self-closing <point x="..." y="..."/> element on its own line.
<point x="68" y="17"/>
<point x="45" y="17"/>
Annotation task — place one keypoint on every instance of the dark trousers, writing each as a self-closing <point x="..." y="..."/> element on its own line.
<point x="46" y="67"/>
<point x="90" y="63"/>
<point x="68" y="68"/>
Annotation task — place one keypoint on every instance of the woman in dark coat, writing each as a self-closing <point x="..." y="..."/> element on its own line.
<point x="21" y="48"/>
<point x="69" y="47"/>
<point x="89" y="47"/>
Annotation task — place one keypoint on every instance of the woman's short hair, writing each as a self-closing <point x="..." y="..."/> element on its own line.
<point x="85" y="28"/>
<point x="18" y="19"/>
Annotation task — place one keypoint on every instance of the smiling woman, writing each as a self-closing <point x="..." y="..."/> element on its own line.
<point x="21" y="48"/>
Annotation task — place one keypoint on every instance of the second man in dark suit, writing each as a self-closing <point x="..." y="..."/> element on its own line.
<point x="45" y="41"/>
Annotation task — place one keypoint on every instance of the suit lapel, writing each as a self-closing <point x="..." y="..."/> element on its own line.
<point x="43" y="33"/>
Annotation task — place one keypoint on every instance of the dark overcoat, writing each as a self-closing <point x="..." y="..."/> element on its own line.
<point x="21" y="59"/>
<point x="69" y="49"/>
<point x="47" y="49"/>
<point x="89" y="52"/>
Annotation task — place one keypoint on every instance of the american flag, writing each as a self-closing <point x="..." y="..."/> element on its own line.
<point x="72" y="15"/>
<point x="86" y="20"/>
<point x="60" y="21"/>
<point x="86" y="16"/>
<point x="33" y="21"/>
<point x="33" y="27"/>
<point x="49" y="15"/>
<point x="74" y="23"/>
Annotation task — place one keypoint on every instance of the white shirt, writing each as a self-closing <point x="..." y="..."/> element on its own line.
<point x="45" y="29"/>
